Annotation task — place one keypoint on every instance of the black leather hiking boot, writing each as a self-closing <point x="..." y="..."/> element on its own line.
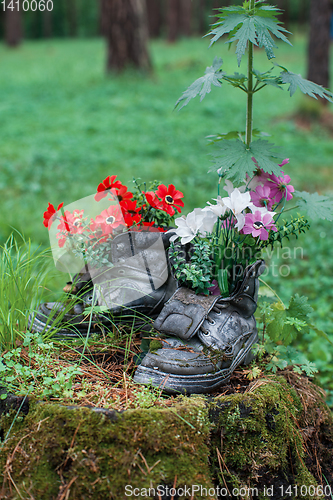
<point x="139" y="283"/>
<point x="211" y="336"/>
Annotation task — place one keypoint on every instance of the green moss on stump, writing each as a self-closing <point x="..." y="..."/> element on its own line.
<point x="259" y="438"/>
<point x="273" y="435"/>
<point x="98" y="456"/>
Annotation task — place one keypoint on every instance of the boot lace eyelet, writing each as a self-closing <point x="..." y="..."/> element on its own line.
<point x="246" y="288"/>
<point x="212" y="322"/>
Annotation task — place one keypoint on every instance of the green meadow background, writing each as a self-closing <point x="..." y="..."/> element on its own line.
<point x="66" y="125"/>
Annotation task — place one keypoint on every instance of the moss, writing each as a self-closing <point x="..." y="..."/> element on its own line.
<point x="97" y="456"/>
<point x="270" y="438"/>
<point x="155" y="345"/>
<point x="257" y="438"/>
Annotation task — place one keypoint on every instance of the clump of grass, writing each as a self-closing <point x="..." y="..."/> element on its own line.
<point x="23" y="274"/>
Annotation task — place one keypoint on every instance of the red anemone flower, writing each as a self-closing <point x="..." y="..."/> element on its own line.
<point x="48" y="214"/>
<point x="122" y="194"/>
<point x="170" y="199"/>
<point x="108" y="183"/>
<point x="152" y="199"/>
<point x="130" y="212"/>
<point x="110" y="219"/>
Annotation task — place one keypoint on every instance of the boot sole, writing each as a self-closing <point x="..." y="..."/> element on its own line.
<point x="194" y="384"/>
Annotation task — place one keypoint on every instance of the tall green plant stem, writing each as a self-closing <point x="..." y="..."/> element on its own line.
<point x="249" y="108"/>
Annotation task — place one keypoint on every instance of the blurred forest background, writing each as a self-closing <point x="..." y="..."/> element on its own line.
<point x="88" y="89"/>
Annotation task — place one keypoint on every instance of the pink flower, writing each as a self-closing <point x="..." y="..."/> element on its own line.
<point x="279" y="187"/>
<point x="261" y="197"/>
<point x="285" y="161"/>
<point x="259" y="178"/>
<point x="214" y="289"/>
<point x="259" y="224"/>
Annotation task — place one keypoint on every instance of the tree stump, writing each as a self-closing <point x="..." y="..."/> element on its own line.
<point x="273" y="440"/>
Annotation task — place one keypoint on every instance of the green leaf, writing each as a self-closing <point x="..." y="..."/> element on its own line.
<point x="202" y="85"/>
<point x="265" y="26"/>
<point x="234" y="134"/>
<point x="222" y="276"/>
<point x="299" y="308"/>
<point x="316" y="206"/>
<point x="320" y="333"/>
<point x="283" y="324"/>
<point x="226" y="136"/>
<point x="244" y="25"/>
<point x="266" y="78"/>
<point x="276" y="363"/>
<point x="308" y="367"/>
<point x="234" y="160"/>
<point x="246" y="33"/>
<point x="228" y="22"/>
<point x="306" y="86"/>
<point x="236" y="80"/>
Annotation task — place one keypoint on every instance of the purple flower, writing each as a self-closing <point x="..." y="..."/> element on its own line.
<point x="261" y="197"/>
<point x="259" y="224"/>
<point x="214" y="289"/>
<point x="285" y="161"/>
<point x="259" y="178"/>
<point x="279" y="187"/>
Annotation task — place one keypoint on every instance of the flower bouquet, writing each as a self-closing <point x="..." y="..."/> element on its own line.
<point x="229" y="235"/>
<point x="86" y="228"/>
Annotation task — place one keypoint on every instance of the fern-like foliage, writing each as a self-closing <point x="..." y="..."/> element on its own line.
<point x="243" y="25"/>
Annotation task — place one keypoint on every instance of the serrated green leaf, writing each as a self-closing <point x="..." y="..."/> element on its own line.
<point x="265" y="26"/>
<point x="234" y="160"/>
<point x="316" y="206"/>
<point x="306" y="86"/>
<point x="202" y="85"/>
<point x="309" y="368"/>
<point x="236" y="80"/>
<point x="267" y="79"/>
<point x="299" y="308"/>
<point x="276" y="363"/>
<point x="246" y="33"/>
<point x="224" y="137"/>
<point x="297" y="323"/>
<point x="228" y="22"/>
<point x="235" y="134"/>
<point x="283" y="324"/>
<point x="245" y="25"/>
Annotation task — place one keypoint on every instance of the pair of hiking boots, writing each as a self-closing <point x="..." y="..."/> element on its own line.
<point x="203" y="337"/>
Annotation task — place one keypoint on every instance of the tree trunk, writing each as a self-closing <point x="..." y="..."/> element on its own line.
<point x="185" y="14"/>
<point x="72" y="17"/>
<point x="127" y="34"/>
<point x="202" y="20"/>
<point x="13" y="25"/>
<point x="154" y="18"/>
<point x="319" y="42"/>
<point x="47" y="24"/>
<point x="173" y="20"/>
<point x="103" y="24"/>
